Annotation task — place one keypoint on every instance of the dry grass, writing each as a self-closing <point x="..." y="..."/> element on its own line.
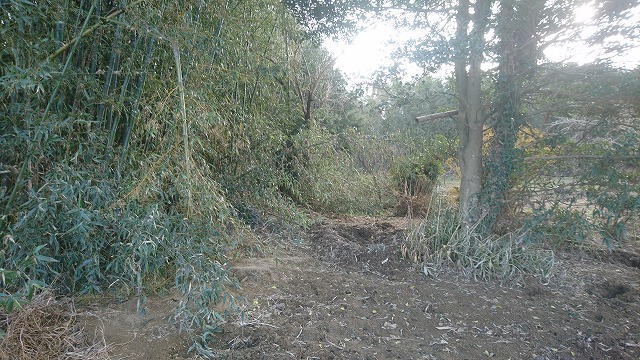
<point x="47" y="328"/>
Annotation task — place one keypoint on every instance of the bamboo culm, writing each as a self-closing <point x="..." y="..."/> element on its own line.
<point x="136" y="100"/>
<point x="185" y="128"/>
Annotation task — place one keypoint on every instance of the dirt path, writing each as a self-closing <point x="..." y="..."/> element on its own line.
<point x="343" y="292"/>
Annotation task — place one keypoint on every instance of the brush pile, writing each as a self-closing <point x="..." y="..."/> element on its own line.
<point x="46" y="328"/>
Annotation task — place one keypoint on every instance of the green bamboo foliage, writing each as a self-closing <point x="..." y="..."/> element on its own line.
<point x="39" y="134"/>
<point x="128" y="132"/>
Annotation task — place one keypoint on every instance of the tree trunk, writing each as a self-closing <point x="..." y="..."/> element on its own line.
<point x="470" y="117"/>
<point x="516" y="30"/>
<point x="307" y="108"/>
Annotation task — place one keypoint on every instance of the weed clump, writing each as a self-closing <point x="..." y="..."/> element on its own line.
<point x="440" y="240"/>
<point x="415" y="178"/>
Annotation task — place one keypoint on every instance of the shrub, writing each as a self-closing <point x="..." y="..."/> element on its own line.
<point x="341" y="179"/>
<point x="415" y="178"/>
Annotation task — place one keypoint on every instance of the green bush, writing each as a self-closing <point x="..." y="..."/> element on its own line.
<point x="415" y="178"/>
<point x="342" y="178"/>
<point x="416" y="174"/>
<point x="590" y="195"/>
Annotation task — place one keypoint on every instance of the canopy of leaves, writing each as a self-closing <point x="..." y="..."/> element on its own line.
<point x="327" y="17"/>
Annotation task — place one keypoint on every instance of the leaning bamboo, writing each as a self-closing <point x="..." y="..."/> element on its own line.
<point x="88" y="31"/>
<point x="185" y="128"/>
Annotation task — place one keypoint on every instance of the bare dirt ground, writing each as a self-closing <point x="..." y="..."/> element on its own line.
<point x="342" y="291"/>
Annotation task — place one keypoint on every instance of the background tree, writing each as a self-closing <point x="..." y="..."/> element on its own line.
<point x="316" y="67"/>
<point x="517" y="51"/>
<point x="468" y="59"/>
<point x="519" y="32"/>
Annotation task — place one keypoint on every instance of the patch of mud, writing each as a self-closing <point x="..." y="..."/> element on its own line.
<point x="137" y="335"/>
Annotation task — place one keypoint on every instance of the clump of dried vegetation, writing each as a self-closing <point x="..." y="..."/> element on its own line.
<point x="47" y="328"/>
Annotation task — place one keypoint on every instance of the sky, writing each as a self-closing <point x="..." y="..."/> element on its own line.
<point x="370" y="50"/>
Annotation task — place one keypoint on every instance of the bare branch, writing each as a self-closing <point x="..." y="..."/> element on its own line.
<point x="578" y="156"/>
<point x="437" y="116"/>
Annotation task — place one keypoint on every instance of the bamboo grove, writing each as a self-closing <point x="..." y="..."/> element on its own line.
<point x="141" y="140"/>
<point x="134" y="136"/>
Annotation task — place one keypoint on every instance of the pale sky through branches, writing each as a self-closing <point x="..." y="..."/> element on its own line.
<point x="371" y="50"/>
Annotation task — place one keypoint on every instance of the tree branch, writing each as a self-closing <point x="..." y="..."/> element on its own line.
<point x="578" y="156"/>
<point x="437" y="116"/>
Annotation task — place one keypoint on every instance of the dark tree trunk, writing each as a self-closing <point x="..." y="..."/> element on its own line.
<point x="517" y="48"/>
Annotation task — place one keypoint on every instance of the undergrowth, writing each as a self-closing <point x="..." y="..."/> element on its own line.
<point x="342" y="175"/>
<point x="94" y="243"/>
<point x="440" y="240"/>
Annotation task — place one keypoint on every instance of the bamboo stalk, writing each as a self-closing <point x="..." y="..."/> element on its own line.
<point x="112" y="66"/>
<point x="134" y="106"/>
<point x="218" y="41"/>
<point x="88" y="31"/>
<point x="124" y="90"/>
<point x="116" y="121"/>
<point x="185" y="127"/>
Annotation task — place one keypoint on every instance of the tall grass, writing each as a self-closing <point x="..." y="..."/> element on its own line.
<point x="440" y="240"/>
